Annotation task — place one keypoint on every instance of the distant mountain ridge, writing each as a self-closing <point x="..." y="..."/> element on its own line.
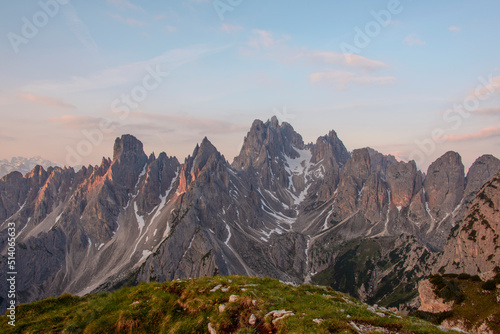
<point x="23" y="165"/>
<point x="359" y="221"/>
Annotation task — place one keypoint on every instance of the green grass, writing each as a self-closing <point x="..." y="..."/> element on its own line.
<point x="188" y="306"/>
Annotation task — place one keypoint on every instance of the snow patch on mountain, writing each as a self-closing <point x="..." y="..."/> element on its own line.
<point x="299" y="167"/>
<point x="24" y="165"/>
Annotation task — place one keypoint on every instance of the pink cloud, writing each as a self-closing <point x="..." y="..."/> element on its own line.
<point x="279" y="49"/>
<point x="46" y="101"/>
<point x="338" y="58"/>
<point x="413" y="39"/>
<point x="230" y="28"/>
<point x="492" y="131"/>
<point x="454" y="28"/>
<point x="171" y="29"/>
<point x="343" y="78"/>
<point x="76" y="122"/>
<point x="6" y="138"/>
<point x="123" y="74"/>
<point x="127" y="20"/>
<point x="125" y="4"/>
<point x="150" y="122"/>
<point x="492" y="87"/>
<point x="265" y="44"/>
<point x="262" y="38"/>
<point x="205" y="125"/>
<point x="488" y="110"/>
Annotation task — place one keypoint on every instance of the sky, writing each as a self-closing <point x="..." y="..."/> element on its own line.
<point x="410" y="78"/>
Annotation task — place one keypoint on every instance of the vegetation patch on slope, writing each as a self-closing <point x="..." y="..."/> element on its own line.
<point x="475" y="302"/>
<point x="365" y="269"/>
<point x="232" y="304"/>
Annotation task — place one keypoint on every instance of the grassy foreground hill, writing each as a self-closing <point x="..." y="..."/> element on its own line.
<point x="232" y="304"/>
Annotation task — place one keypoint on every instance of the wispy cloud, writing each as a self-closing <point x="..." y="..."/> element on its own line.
<point x="413" y="39"/>
<point x="281" y="51"/>
<point x="492" y="87"/>
<point x="78" y="122"/>
<point x="344" y="78"/>
<point x="148" y="124"/>
<point x="230" y="28"/>
<point x="262" y="39"/>
<point x="128" y="20"/>
<point x="122" y="75"/>
<point x="492" y="131"/>
<point x="79" y="28"/>
<point x="46" y="101"/>
<point x="454" y="28"/>
<point x="125" y="4"/>
<point x="6" y="138"/>
<point x="171" y="28"/>
<point x="203" y="125"/>
<point x="488" y="111"/>
<point x="338" y="58"/>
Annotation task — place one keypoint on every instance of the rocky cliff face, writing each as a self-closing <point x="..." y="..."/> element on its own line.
<point x="285" y="209"/>
<point x="473" y="245"/>
<point x="461" y="302"/>
<point x="429" y="302"/>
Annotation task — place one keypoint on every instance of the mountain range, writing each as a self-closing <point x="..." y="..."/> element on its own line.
<point x="361" y="222"/>
<point x="23" y="165"/>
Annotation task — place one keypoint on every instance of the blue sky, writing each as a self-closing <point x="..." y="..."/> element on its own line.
<point x="410" y="78"/>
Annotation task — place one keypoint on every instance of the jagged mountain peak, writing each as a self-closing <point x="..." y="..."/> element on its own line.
<point x="12" y="176"/>
<point x="451" y="160"/>
<point x="206" y="147"/>
<point x="331" y="137"/>
<point x="202" y="152"/>
<point x="444" y="185"/>
<point x="129" y="162"/>
<point x="485" y="159"/>
<point x="380" y="162"/>
<point x="376" y="155"/>
<point x="330" y="147"/>
<point x="450" y="157"/>
<point x="205" y="157"/>
<point x="274" y="121"/>
<point x="480" y="171"/>
<point x="125" y="145"/>
<point x="268" y="140"/>
<point x="37" y="170"/>
<point x="359" y="165"/>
